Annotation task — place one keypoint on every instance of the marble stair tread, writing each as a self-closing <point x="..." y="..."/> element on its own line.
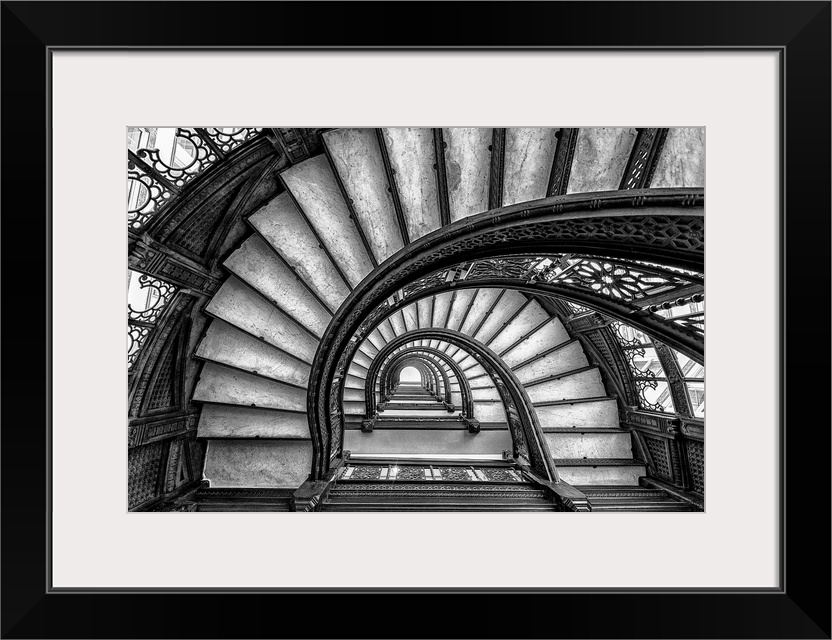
<point x="283" y="227"/>
<point x="257" y="264"/>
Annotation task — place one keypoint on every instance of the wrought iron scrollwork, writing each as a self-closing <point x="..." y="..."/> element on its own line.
<point x="158" y="294"/>
<point x="510" y="267"/>
<point x="146" y="196"/>
<point x="136" y="337"/>
<point x="229" y="138"/>
<point x="196" y="156"/>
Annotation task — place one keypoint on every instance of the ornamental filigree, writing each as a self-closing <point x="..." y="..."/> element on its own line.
<point x="512" y="267"/>
<point x="136" y="337"/>
<point x="191" y="155"/>
<point x="642" y="387"/>
<point x="618" y="280"/>
<point x="146" y="196"/>
<point x="229" y="138"/>
<point x="158" y="295"/>
<point x="428" y="282"/>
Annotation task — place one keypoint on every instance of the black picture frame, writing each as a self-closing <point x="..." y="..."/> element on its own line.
<point x="800" y="608"/>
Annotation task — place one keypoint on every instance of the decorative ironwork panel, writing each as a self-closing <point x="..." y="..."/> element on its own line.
<point x="366" y="473"/>
<point x="423" y="284"/>
<point x="143" y="465"/>
<point x="191" y="156"/>
<point x="696" y="462"/>
<point x="150" y="297"/>
<point x="411" y="473"/>
<point x="500" y="475"/>
<point x="136" y="337"/>
<point x="458" y="474"/>
<point x="159" y="294"/>
<point x="660" y="453"/>
<point x="229" y="138"/>
<point x="146" y="196"/>
<point x="511" y="267"/>
<point x="617" y="279"/>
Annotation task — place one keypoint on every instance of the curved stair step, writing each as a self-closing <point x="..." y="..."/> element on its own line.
<point x="281" y="224"/>
<point x="224" y="421"/>
<point x="239" y="305"/>
<point x="223" y="385"/>
<point x="481" y="305"/>
<point x="315" y="188"/>
<point x="585" y="413"/>
<point x="468" y="166"/>
<point x="459" y="308"/>
<point x="412" y="158"/>
<point x="558" y="360"/>
<point x="582" y="383"/>
<point x="543" y="339"/>
<point x="590" y="445"/>
<point x="529" y="318"/>
<point x="257" y="463"/>
<point x="225" y="344"/>
<point x="529" y="155"/>
<point x="601" y="157"/>
<point x="510" y="303"/>
<point x="357" y="159"/>
<point x="257" y="264"/>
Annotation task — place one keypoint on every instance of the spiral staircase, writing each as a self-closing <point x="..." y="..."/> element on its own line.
<point x="344" y="212"/>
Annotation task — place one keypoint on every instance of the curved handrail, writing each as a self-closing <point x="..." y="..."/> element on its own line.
<point x="662" y="226"/>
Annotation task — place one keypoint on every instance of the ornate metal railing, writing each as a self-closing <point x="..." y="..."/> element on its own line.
<point x="660" y="227"/>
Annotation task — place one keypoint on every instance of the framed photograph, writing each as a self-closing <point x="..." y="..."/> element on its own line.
<point x="415" y="304"/>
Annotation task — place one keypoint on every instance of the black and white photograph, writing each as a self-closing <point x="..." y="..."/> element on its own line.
<point x="416" y="319"/>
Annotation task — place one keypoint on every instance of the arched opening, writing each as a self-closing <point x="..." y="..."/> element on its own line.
<point x="409" y="375"/>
